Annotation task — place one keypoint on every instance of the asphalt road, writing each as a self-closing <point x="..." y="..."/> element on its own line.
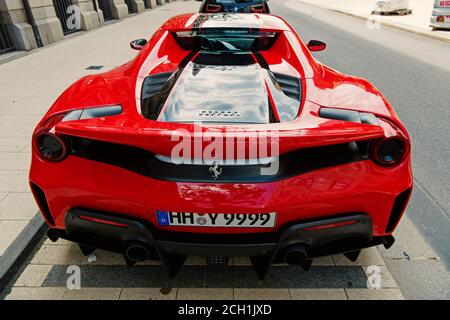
<point x="413" y="72"/>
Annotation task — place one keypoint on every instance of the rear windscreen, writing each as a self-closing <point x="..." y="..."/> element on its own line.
<point x="219" y="39"/>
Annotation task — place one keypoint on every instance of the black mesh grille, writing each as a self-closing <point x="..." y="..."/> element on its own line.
<point x="290" y="85"/>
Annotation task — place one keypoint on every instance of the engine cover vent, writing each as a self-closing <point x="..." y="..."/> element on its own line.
<point x="291" y="86"/>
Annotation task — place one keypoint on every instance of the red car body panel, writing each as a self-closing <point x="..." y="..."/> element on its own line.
<point x="361" y="186"/>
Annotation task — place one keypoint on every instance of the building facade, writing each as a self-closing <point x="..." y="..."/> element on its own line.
<point x="29" y="24"/>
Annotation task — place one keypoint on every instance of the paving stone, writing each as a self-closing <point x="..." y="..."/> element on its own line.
<point x="104" y="258"/>
<point x="14" y="144"/>
<point x="261" y="294"/>
<point x="421" y="279"/>
<point x="148" y="294"/>
<point x="33" y="275"/>
<point x="31" y="293"/>
<point x="8" y="131"/>
<point x="288" y="277"/>
<point x="195" y="261"/>
<point x="368" y="257"/>
<point x="387" y="281"/>
<point x="323" y="261"/>
<point x="409" y="244"/>
<point x="18" y="206"/>
<point x="59" y="242"/>
<point x="339" y="277"/>
<point x="14" y="181"/>
<point x="205" y="294"/>
<point x="374" y="294"/>
<point x="92" y="294"/>
<point x="241" y="261"/>
<point x="9" y="230"/>
<point x="15" y="160"/>
<point x="318" y="294"/>
<point x="58" y="255"/>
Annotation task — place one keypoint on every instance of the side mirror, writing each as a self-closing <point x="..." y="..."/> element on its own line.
<point x="316" y="45"/>
<point x="138" y="44"/>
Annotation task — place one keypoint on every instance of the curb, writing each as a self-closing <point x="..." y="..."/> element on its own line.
<point x="20" y="244"/>
<point x="383" y="23"/>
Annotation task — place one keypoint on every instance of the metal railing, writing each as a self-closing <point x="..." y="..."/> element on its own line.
<point x="61" y="12"/>
<point x="105" y="6"/>
<point x="5" y="41"/>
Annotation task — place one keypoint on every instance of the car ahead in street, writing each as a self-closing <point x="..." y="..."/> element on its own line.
<point x="400" y="7"/>
<point x="223" y="137"/>
<point x="440" y="16"/>
<point x="234" y="6"/>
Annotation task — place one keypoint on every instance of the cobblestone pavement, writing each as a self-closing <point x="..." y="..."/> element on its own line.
<point x="108" y="277"/>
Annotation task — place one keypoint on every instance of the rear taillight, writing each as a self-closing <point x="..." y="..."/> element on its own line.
<point x="48" y="145"/>
<point x="259" y="8"/>
<point x="213" y="8"/>
<point x="390" y="151"/>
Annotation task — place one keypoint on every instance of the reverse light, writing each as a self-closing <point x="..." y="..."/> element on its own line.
<point x="390" y="151"/>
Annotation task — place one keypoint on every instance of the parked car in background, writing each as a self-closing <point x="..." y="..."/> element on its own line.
<point x="440" y="17"/>
<point x="400" y="7"/>
<point x="234" y="6"/>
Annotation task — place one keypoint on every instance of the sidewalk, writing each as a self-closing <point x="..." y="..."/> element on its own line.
<point x="417" y="22"/>
<point x="28" y="87"/>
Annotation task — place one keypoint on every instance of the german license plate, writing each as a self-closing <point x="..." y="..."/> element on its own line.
<point x="232" y="220"/>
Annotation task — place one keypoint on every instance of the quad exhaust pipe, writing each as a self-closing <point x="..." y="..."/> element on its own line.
<point x="137" y="252"/>
<point x="296" y="255"/>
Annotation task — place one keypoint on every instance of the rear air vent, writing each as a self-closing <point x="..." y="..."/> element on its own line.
<point x="42" y="201"/>
<point x="397" y="209"/>
<point x="155" y="90"/>
<point x="290" y="85"/>
<point x="153" y="84"/>
<point x="349" y="115"/>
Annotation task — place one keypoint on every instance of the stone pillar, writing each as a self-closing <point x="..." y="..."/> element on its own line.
<point x="12" y="14"/>
<point x="101" y="18"/>
<point x="150" y="3"/>
<point x="47" y="23"/>
<point x="137" y="6"/>
<point x="118" y="8"/>
<point x="89" y="17"/>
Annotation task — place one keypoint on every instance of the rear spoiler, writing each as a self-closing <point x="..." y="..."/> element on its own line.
<point x="198" y="38"/>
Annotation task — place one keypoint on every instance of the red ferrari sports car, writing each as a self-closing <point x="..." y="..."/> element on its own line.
<point x="222" y="137"/>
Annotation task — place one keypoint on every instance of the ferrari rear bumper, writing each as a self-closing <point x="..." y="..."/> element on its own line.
<point x="295" y="243"/>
